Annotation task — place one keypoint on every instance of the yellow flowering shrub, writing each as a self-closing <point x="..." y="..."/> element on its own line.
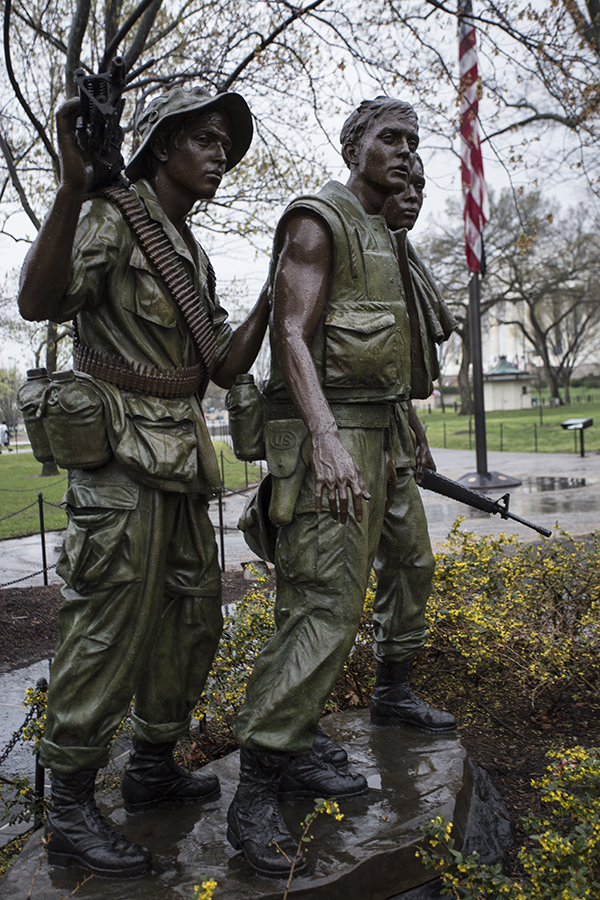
<point x="561" y="858"/>
<point x="524" y="612"/>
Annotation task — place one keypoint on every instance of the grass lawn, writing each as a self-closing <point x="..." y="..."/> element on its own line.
<point x="21" y="481"/>
<point x="515" y="430"/>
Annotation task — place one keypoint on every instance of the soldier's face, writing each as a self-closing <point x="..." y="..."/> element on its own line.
<point x="385" y="154"/>
<point x="403" y="209"/>
<point x="197" y="159"/>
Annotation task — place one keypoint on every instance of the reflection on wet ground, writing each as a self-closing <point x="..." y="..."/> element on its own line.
<point x="541" y="484"/>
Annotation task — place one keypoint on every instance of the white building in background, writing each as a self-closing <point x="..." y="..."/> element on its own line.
<point x="506" y="387"/>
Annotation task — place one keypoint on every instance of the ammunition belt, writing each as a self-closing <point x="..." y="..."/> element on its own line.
<point x="161" y="253"/>
<point x="140" y="377"/>
<point x="346" y="415"/>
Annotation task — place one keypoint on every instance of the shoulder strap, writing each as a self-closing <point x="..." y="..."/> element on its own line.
<point x="161" y="253"/>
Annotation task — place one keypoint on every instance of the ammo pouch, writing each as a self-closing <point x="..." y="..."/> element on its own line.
<point x="287" y="446"/>
<point x="73" y="416"/>
<point x="246" y="407"/>
<point x="29" y="399"/>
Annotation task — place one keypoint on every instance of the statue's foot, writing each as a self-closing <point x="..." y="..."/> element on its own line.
<point x="153" y="779"/>
<point x="309" y="776"/>
<point x="78" y="834"/>
<point x="254" y="821"/>
<point x="329" y="752"/>
<point x="394" y="703"/>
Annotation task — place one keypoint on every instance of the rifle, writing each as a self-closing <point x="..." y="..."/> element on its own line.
<point x="455" y="491"/>
<point x="99" y="126"/>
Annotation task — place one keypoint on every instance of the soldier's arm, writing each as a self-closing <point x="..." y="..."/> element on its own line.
<point x="300" y="295"/>
<point x="47" y="268"/>
<point x="245" y="343"/>
<point x="422" y="451"/>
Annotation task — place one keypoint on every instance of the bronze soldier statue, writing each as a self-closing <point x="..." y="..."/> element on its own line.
<point x="142" y="599"/>
<point x="404" y="563"/>
<point x="337" y="414"/>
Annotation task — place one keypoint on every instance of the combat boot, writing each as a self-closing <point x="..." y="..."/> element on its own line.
<point x="153" y="779"/>
<point x="78" y="833"/>
<point x="254" y="821"/>
<point x="310" y="776"/>
<point x="393" y="701"/>
<point x="329" y="751"/>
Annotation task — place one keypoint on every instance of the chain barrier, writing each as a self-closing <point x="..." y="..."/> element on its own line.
<point x="41" y="686"/>
<point x="18" y="512"/>
<point x="25" y="577"/>
<point x="31" y="490"/>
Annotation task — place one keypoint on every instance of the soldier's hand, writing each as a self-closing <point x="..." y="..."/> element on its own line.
<point x="334" y="469"/>
<point x="75" y="161"/>
<point x="424" y="458"/>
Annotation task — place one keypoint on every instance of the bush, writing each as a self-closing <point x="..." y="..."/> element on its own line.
<point x="561" y="859"/>
<point x="525" y="614"/>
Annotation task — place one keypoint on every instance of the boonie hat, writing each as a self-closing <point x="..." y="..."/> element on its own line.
<point x="179" y="102"/>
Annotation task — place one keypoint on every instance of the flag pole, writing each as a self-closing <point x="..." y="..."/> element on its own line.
<point x="476" y="359"/>
<point x="476" y="214"/>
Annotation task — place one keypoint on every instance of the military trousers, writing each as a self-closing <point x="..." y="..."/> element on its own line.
<point x="322" y="568"/>
<point x="404" y="566"/>
<point x="141" y="616"/>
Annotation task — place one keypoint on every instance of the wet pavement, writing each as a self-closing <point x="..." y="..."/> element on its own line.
<point x="558" y="490"/>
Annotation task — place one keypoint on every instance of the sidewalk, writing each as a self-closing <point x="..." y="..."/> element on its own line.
<point x="547" y="496"/>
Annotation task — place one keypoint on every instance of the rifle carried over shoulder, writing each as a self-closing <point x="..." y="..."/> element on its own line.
<point x="102" y="105"/>
<point x="455" y="491"/>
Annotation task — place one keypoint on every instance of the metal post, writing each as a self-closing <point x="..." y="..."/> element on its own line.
<point x="246" y="471"/>
<point x="41" y="685"/>
<point x="221" y="530"/>
<point x="222" y="469"/>
<point x="581" y="450"/>
<point x="43" y="536"/>
<point x="501" y="439"/>
<point x="476" y="358"/>
<point x="444" y="435"/>
<point x="535" y="436"/>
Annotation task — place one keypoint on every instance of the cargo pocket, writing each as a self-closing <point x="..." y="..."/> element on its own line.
<point x="103" y="545"/>
<point x="360" y="348"/>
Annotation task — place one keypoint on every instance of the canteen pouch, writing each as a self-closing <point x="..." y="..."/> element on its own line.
<point x="287" y="446"/>
<point x="246" y="408"/>
<point x="29" y="399"/>
<point x="75" y="422"/>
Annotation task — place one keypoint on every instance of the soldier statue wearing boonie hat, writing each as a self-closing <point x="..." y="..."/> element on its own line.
<point x="142" y="615"/>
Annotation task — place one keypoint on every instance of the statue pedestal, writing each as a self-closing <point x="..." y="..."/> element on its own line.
<point x="368" y="855"/>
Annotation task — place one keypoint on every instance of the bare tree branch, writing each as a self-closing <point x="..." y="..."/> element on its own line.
<point x="122" y="32"/>
<point x="19" y="94"/>
<point x="76" y="35"/>
<point x="14" y="176"/>
<point x="139" y="41"/>
<point x="298" y="13"/>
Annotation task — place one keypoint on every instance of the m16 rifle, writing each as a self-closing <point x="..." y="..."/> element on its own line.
<point x="99" y="126"/>
<point x="431" y="481"/>
<point x="100" y="133"/>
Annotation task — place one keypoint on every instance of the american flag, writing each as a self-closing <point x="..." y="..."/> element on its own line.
<point x="476" y="211"/>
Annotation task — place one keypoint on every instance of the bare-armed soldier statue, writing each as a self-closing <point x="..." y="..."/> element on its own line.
<point x="337" y="411"/>
<point x="142" y="611"/>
